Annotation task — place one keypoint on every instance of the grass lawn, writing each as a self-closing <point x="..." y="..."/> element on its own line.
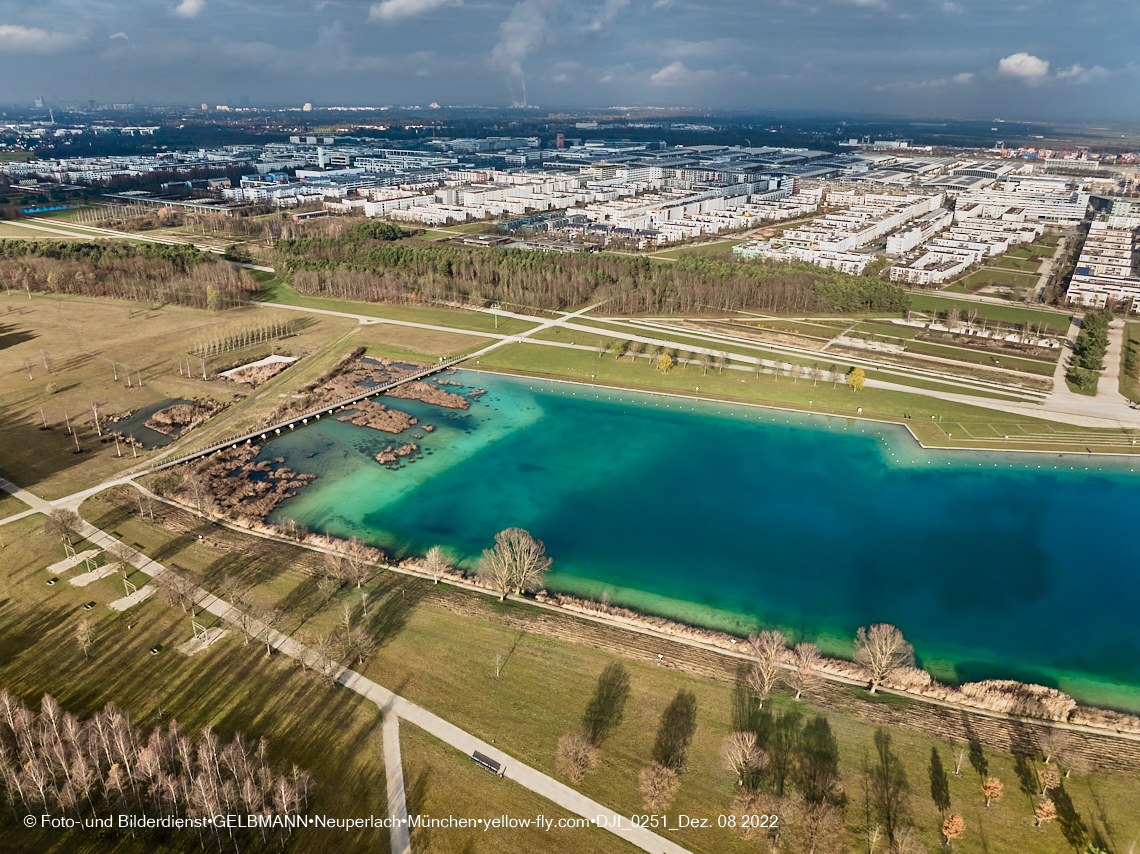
<point x="767" y="390"/>
<point x="231" y="687"/>
<point x="10" y="506"/>
<point x="16" y="156"/>
<point x="82" y="336"/>
<point x="1056" y="322"/>
<point x="719" y="249"/>
<point x="453" y="318"/>
<point x="991" y="276"/>
<point x="1130" y="386"/>
<point x="440" y="781"/>
<point x="68" y="214"/>
<point x="1023" y="264"/>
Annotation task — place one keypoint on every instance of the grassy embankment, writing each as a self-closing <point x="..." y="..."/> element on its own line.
<point x="545" y="681"/>
<point x="1130" y="385"/>
<point x="971" y="426"/>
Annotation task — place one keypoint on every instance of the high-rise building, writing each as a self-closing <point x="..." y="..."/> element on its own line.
<point x="308" y="108"/>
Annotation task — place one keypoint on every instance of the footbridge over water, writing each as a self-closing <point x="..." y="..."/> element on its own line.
<point x="265" y="433"/>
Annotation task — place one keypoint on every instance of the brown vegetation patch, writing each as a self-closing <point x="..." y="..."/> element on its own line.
<point x="379" y="417"/>
<point x="429" y="394"/>
<point x="390" y="455"/>
<point x="181" y="418"/>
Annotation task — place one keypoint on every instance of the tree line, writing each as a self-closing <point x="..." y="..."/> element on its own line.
<point x="365" y="264"/>
<point x="150" y="273"/>
<point x="105" y="766"/>
<point x="1089" y="349"/>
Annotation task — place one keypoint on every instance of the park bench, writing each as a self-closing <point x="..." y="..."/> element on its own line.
<point x="488" y="763"/>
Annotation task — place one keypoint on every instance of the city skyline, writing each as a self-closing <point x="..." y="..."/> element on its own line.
<point x="1036" y="60"/>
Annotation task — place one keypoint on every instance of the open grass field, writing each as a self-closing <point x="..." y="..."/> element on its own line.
<point x="993" y="276"/>
<point x="440" y="781"/>
<point x="544" y="682"/>
<point x="719" y="250"/>
<point x="10" y="506"/>
<point x="1056" y="322"/>
<point x="1025" y="265"/>
<point x="231" y="687"/>
<point x="81" y="337"/>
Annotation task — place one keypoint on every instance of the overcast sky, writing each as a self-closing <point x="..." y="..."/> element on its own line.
<point x="1046" y="59"/>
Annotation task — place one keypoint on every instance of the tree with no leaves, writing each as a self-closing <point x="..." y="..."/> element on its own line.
<point x="1052" y="743"/>
<point x="517" y="562"/>
<point x="953" y="828"/>
<point x="1049" y="778"/>
<point x="1044" y="811"/>
<point x="658" y="785"/>
<point x="992" y="789"/>
<point x="436" y="563"/>
<point x="356" y="567"/>
<point x="84" y="636"/>
<point x="119" y="556"/>
<point x="961" y="754"/>
<point x="805" y="668"/>
<point x="230" y="587"/>
<point x="741" y="755"/>
<point x="62" y="523"/>
<point x="882" y="650"/>
<point x="576" y="756"/>
<point x="768" y="647"/>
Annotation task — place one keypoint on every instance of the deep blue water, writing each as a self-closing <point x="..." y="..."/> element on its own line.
<point x="992" y="564"/>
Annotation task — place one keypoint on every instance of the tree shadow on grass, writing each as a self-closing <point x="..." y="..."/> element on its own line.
<point x="606" y="709"/>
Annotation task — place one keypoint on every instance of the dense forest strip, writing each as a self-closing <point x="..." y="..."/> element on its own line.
<point x="363" y="265"/>
<point x="150" y="272"/>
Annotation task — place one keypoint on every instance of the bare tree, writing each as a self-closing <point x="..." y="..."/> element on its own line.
<point x="517" y="562"/>
<point x="768" y="647"/>
<point x="576" y="756"/>
<point x="356" y="564"/>
<point x="961" y="754"/>
<point x="805" y="670"/>
<point x="358" y="644"/>
<point x="741" y="755"/>
<point x="882" y="650"/>
<point x="436" y="563"/>
<point x="1049" y="778"/>
<point x="231" y="587"/>
<point x="120" y="556"/>
<point x="1052" y="742"/>
<point x="658" y="785"/>
<point x="84" y="636"/>
<point x="63" y="523"/>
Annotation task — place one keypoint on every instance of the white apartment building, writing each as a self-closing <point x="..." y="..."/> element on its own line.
<point x="1106" y="271"/>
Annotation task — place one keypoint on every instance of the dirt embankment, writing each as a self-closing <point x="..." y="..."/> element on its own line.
<point x="392" y="455"/>
<point x="429" y="393"/>
<point x="181" y="418"/>
<point x="379" y="417"/>
<point x="255" y="375"/>
<point x="248" y="491"/>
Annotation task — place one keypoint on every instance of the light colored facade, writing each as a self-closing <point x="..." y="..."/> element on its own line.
<point x="1106" y="272"/>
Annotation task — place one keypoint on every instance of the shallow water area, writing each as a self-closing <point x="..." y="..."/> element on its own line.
<point x="736" y="517"/>
<point x="135" y="425"/>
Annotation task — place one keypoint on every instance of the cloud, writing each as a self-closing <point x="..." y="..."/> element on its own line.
<point x="396" y="10"/>
<point x="607" y="13"/>
<point x="675" y="74"/>
<point x="964" y="77"/>
<point x="120" y="35"/>
<point x="1024" y="66"/>
<point x="14" y="39"/>
<point x="189" y="8"/>
<point x="1080" y="74"/>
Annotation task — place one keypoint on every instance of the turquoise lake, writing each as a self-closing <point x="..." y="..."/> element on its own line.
<point x="994" y="565"/>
